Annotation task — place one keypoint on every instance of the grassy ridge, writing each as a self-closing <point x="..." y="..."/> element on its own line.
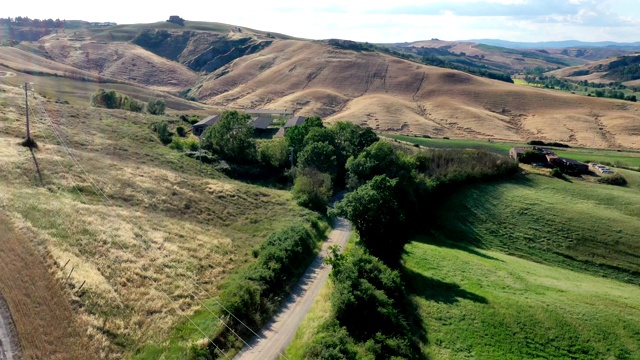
<point x="487" y="305"/>
<point x="579" y="225"/>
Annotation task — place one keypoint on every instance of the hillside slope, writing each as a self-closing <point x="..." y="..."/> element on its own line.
<point x="233" y="67"/>
<point x="159" y="245"/>
<point x="624" y="69"/>
<point x="391" y="94"/>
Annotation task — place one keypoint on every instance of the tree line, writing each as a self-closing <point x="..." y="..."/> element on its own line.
<point x="111" y="99"/>
<point x="26" y="22"/>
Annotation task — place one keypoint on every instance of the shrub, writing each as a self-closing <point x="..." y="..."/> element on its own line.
<point x="177" y="144"/>
<point x="615" y="179"/>
<point x="106" y="99"/>
<point x="131" y="104"/>
<point x="111" y="99"/>
<point x="162" y="129"/>
<point x="156" y="107"/>
<point x="253" y="295"/>
<point x="181" y="131"/>
<point x="532" y="156"/>
<point x="555" y="172"/>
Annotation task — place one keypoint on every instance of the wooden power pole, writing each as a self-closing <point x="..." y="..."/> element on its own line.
<point x="26" y="101"/>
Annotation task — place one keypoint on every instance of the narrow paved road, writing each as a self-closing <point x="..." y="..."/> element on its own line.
<point x="8" y="349"/>
<point x="278" y="333"/>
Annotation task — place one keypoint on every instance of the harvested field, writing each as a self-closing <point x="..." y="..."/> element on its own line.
<point x="44" y="319"/>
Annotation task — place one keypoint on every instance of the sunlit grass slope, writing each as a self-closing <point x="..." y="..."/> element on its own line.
<point x="578" y="225"/>
<point x="488" y="305"/>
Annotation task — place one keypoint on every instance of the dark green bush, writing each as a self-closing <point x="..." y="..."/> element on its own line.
<point x="555" y="172"/>
<point x="162" y="130"/>
<point x="181" y="131"/>
<point x="532" y="156"/>
<point x="254" y="294"/>
<point x="615" y="179"/>
<point x="156" y="106"/>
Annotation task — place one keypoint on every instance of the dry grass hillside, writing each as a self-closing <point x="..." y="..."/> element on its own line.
<point x="395" y="95"/>
<point x="162" y="242"/>
<point x="117" y="60"/>
<point x="256" y="69"/>
<point x="597" y="72"/>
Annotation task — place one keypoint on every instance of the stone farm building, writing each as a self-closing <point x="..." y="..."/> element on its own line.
<point x="549" y="158"/>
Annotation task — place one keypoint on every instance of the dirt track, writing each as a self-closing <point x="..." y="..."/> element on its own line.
<point x="278" y="333"/>
<point x="9" y="349"/>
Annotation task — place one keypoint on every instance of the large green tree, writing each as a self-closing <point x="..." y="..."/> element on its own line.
<point x="295" y="135"/>
<point x="312" y="189"/>
<point x="379" y="159"/>
<point x="319" y="155"/>
<point x="377" y="216"/>
<point x="231" y="137"/>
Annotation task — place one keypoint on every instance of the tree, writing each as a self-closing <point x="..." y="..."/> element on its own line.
<point x="312" y="189"/>
<point x="320" y="156"/>
<point x="295" y="135"/>
<point x="374" y="212"/>
<point x="106" y="99"/>
<point x="156" y="107"/>
<point x="232" y="137"/>
<point x="274" y="153"/>
<point x="378" y="159"/>
<point x="132" y="104"/>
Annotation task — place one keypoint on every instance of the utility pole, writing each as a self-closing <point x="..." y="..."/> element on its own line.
<point x="200" y="154"/>
<point x="26" y="101"/>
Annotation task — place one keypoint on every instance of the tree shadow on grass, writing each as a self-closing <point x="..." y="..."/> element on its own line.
<point x="439" y="291"/>
<point x="467" y="244"/>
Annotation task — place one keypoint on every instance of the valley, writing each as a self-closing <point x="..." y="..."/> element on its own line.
<point x="125" y="236"/>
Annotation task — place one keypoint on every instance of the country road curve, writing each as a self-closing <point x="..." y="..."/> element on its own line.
<point x="8" y="347"/>
<point x="278" y="333"/>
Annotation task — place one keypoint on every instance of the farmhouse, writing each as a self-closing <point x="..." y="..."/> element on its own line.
<point x="261" y="122"/>
<point x="573" y="166"/>
<point x="548" y="158"/>
<point x="295" y="121"/>
<point x="202" y="125"/>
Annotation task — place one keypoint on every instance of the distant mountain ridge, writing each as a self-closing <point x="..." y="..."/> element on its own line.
<point x="552" y="44"/>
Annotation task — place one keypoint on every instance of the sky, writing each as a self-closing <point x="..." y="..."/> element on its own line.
<point x="373" y="20"/>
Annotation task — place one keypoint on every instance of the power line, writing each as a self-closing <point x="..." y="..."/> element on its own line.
<point x="108" y="201"/>
<point x="105" y="199"/>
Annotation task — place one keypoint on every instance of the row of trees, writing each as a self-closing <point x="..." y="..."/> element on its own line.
<point x="111" y="99"/>
<point x="26" y="22"/>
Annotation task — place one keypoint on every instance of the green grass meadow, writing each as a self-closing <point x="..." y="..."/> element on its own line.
<point x="488" y="305"/>
<point x="530" y="268"/>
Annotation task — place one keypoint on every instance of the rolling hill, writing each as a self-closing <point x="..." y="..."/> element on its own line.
<point x="227" y="66"/>
<point x="623" y="69"/>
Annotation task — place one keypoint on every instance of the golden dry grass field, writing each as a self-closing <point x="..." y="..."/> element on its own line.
<point x="162" y="242"/>
<point x="395" y="95"/>
<point x="313" y="78"/>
